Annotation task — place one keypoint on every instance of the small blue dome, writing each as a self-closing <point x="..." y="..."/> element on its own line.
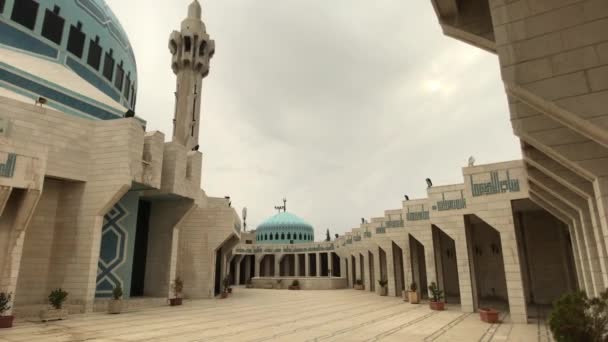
<point x="284" y="228"/>
<point x="73" y="53"/>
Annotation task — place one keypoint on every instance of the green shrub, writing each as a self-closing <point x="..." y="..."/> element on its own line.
<point x="382" y="282"/>
<point x="5" y="301"/>
<point x="576" y="318"/>
<point x="295" y="282"/>
<point x="57" y="297"/>
<point x="178" y="286"/>
<point x="413" y="287"/>
<point x="358" y="282"/>
<point x="117" y="292"/>
<point x="435" y="292"/>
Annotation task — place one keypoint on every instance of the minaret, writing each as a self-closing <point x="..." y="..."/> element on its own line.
<point x="191" y="50"/>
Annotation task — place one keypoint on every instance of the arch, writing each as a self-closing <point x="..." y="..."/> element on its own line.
<point x="288" y="236"/>
<point x="282" y="236"/>
<point x="270" y="237"/>
<point x="300" y="237"/>
<point x="276" y="236"/>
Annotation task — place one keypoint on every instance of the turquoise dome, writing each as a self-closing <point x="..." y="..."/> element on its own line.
<point x="73" y="53"/>
<point x="284" y="228"/>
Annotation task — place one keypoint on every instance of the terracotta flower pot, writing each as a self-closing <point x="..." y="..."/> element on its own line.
<point x="230" y="290"/>
<point x="6" y="322"/>
<point x="405" y="296"/>
<point x="384" y="291"/>
<point x="488" y="315"/>
<point x="175" y="301"/>
<point x="413" y="297"/>
<point x="359" y="287"/>
<point x="115" y="306"/>
<point x="224" y="295"/>
<point x="439" y="306"/>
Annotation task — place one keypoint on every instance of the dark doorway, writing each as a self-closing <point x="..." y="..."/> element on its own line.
<point x="138" y="272"/>
<point x="218" y="272"/>
<point x="372" y="273"/>
<point x="335" y="265"/>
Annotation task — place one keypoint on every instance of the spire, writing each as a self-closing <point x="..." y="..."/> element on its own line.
<point x="194" y="10"/>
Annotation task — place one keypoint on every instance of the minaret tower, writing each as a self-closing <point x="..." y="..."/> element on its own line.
<point x="191" y="50"/>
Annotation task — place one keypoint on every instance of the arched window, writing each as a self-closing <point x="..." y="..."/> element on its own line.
<point x="270" y="237"/>
<point x="300" y="236"/>
<point x="288" y="236"/>
<point x="282" y="236"/>
<point x="276" y="236"/>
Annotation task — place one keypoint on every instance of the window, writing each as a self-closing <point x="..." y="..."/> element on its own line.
<point x="187" y="44"/>
<point x="2" y="6"/>
<point x="108" y="65"/>
<point x="76" y="40"/>
<point x="288" y="236"/>
<point x="201" y="51"/>
<point x="127" y="90"/>
<point x="25" y="13"/>
<point x="282" y="236"/>
<point x="270" y="237"/>
<point x="248" y="242"/>
<point x="52" y="27"/>
<point x="120" y="73"/>
<point x="94" y="59"/>
<point x="276" y="236"/>
<point x="300" y="236"/>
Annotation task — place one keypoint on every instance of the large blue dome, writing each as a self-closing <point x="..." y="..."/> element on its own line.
<point x="284" y="228"/>
<point x="73" y="53"/>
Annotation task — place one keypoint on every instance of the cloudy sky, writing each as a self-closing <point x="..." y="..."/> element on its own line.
<point x="342" y="106"/>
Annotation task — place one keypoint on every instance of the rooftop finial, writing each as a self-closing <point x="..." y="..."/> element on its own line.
<point x="283" y="207"/>
<point x="194" y="10"/>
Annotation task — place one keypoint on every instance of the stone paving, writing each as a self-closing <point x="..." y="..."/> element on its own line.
<point x="281" y="315"/>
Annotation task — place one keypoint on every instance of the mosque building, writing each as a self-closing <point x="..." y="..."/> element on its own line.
<point x="90" y="200"/>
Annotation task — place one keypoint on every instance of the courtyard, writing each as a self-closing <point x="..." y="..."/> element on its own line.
<point x="281" y="315"/>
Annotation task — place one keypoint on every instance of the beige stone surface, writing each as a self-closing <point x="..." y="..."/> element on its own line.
<point x="279" y="315"/>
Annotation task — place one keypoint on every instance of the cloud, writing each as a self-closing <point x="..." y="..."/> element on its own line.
<point x="342" y="106"/>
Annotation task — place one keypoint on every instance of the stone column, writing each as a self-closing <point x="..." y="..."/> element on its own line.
<point x="390" y="270"/>
<point x="329" y="264"/>
<point x="277" y="265"/>
<point x="237" y="270"/>
<point x="306" y="265"/>
<point x="367" y="279"/>
<point x="257" y="260"/>
<point x="296" y="258"/>
<point x="377" y="268"/>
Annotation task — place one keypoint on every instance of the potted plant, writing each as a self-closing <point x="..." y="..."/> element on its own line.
<point x="279" y="282"/>
<point x="5" y="301"/>
<point x="383" y="287"/>
<point x="226" y="285"/>
<point x="295" y="285"/>
<point x="576" y="317"/>
<point x="249" y="284"/>
<point x="56" y="311"/>
<point x="412" y="294"/>
<point x="359" y="285"/>
<point x="436" y="302"/>
<point x="115" y="304"/>
<point x="178" y="287"/>
<point x="488" y="315"/>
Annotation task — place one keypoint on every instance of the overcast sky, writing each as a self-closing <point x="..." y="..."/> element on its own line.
<point x="343" y="106"/>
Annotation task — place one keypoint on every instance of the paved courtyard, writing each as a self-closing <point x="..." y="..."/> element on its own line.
<point x="281" y="315"/>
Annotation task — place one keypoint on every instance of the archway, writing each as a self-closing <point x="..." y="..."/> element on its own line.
<point x="446" y="265"/>
<point x="398" y="270"/>
<point x="418" y="266"/>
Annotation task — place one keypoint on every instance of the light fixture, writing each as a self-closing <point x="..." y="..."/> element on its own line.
<point x="407" y="198"/>
<point x="195" y="148"/>
<point x="41" y="100"/>
<point x="429" y="184"/>
<point x="129" y="114"/>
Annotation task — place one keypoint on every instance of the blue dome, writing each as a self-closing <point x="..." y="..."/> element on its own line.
<point x="284" y="228"/>
<point x="73" y="53"/>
